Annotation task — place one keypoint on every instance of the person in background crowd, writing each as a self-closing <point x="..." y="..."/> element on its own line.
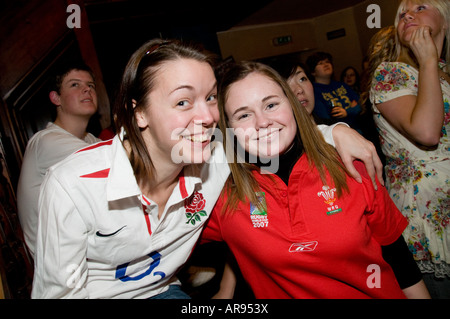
<point x="410" y="95"/>
<point x="335" y="100"/>
<point x="74" y="96"/>
<point x="298" y="77"/>
<point x="350" y="76"/>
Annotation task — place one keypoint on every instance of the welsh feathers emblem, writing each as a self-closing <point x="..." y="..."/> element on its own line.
<point x="329" y="195"/>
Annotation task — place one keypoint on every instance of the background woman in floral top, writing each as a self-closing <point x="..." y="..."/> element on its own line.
<point x="413" y="118"/>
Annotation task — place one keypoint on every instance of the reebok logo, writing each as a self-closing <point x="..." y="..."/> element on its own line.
<point x="303" y="247"/>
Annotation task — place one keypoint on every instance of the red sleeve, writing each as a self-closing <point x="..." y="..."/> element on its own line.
<point x="212" y="230"/>
<point x="385" y="220"/>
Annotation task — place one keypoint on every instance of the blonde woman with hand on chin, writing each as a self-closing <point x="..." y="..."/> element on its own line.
<point x="410" y="95"/>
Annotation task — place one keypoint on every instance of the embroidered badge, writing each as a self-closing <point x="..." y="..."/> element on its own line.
<point x="194" y="206"/>
<point x="259" y="217"/>
<point x="329" y="195"/>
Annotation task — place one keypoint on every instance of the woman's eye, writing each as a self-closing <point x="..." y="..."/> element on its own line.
<point x="242" y="117"/>
<point x="182" y="103"/>
<point x="212" y="97"/>
<point x="271" y="106"/>
<point x="420" y="8"/>
<point x="303" y="79"/>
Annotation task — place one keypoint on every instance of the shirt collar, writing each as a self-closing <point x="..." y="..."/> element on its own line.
<point x="122" y="182"/>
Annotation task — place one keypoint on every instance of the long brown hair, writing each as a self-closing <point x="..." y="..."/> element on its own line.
<point x="242" y="185"/>
<point x="138" y="81"/>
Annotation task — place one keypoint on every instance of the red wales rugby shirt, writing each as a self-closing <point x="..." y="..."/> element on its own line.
<point x="310" y="244"/>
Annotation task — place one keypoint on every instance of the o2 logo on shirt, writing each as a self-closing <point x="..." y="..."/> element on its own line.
<point x="121" y="270"/>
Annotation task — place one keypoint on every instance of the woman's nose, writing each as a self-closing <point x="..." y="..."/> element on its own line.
<point x="206" y="116"/>
<point x="408" y="16"/>
<point x="262" y="121"/>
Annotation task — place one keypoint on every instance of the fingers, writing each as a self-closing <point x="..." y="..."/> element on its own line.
<point x="379" y="168"/>
<point x="374" y="167"/>
<point x="351" y="145"/>
<point x="372" y="162"/>
<point x="338" y="112"/>
<point x="348" y="163"/>
<point x="422" y="44"/>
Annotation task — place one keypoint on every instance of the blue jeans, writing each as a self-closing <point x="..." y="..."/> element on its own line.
<point x="174" y="292"/>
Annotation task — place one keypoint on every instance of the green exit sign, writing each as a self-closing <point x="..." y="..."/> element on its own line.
<point x="282" y="40"/>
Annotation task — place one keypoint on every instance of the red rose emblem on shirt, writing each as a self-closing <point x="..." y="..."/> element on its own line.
<point x="195" y="203"/>
<point x="194" y="208"/>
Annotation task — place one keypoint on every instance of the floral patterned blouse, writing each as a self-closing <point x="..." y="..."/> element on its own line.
<point x="418" y="181"/>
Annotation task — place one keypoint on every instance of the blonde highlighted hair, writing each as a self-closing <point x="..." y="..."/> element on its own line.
<point x="443" y="6"/>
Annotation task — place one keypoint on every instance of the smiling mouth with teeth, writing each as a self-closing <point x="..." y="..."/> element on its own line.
<point x="198" y="138"/>
<point x="267" y="136"/>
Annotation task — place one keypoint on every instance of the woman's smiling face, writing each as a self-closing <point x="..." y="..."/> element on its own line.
<point x="181" y="112"/>
<point x="261" y="116"/>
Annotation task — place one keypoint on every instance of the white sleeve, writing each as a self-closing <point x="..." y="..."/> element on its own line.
<point x="60" y="259"/>
<point x="327" y="132"/>
<point x="53" y="148"/>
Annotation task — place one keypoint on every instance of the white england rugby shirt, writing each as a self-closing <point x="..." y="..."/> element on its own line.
<point x="98" y="237"/>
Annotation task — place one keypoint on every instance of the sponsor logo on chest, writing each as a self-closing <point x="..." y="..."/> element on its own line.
<point x="303" y="247"/>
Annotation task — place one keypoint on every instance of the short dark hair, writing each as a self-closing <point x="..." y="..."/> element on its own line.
<point x="286" y="66"/>
<point x="62" y="72"/>
<point x="315" y="58"/>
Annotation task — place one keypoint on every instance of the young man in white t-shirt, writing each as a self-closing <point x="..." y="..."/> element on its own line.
<point x="75" y="99"/>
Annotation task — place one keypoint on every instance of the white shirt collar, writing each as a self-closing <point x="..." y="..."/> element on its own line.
<point x="122" y="182"/>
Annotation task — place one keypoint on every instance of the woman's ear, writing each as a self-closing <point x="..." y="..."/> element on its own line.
<point x="139" y="114"/>
<point x="55" y="98"/>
